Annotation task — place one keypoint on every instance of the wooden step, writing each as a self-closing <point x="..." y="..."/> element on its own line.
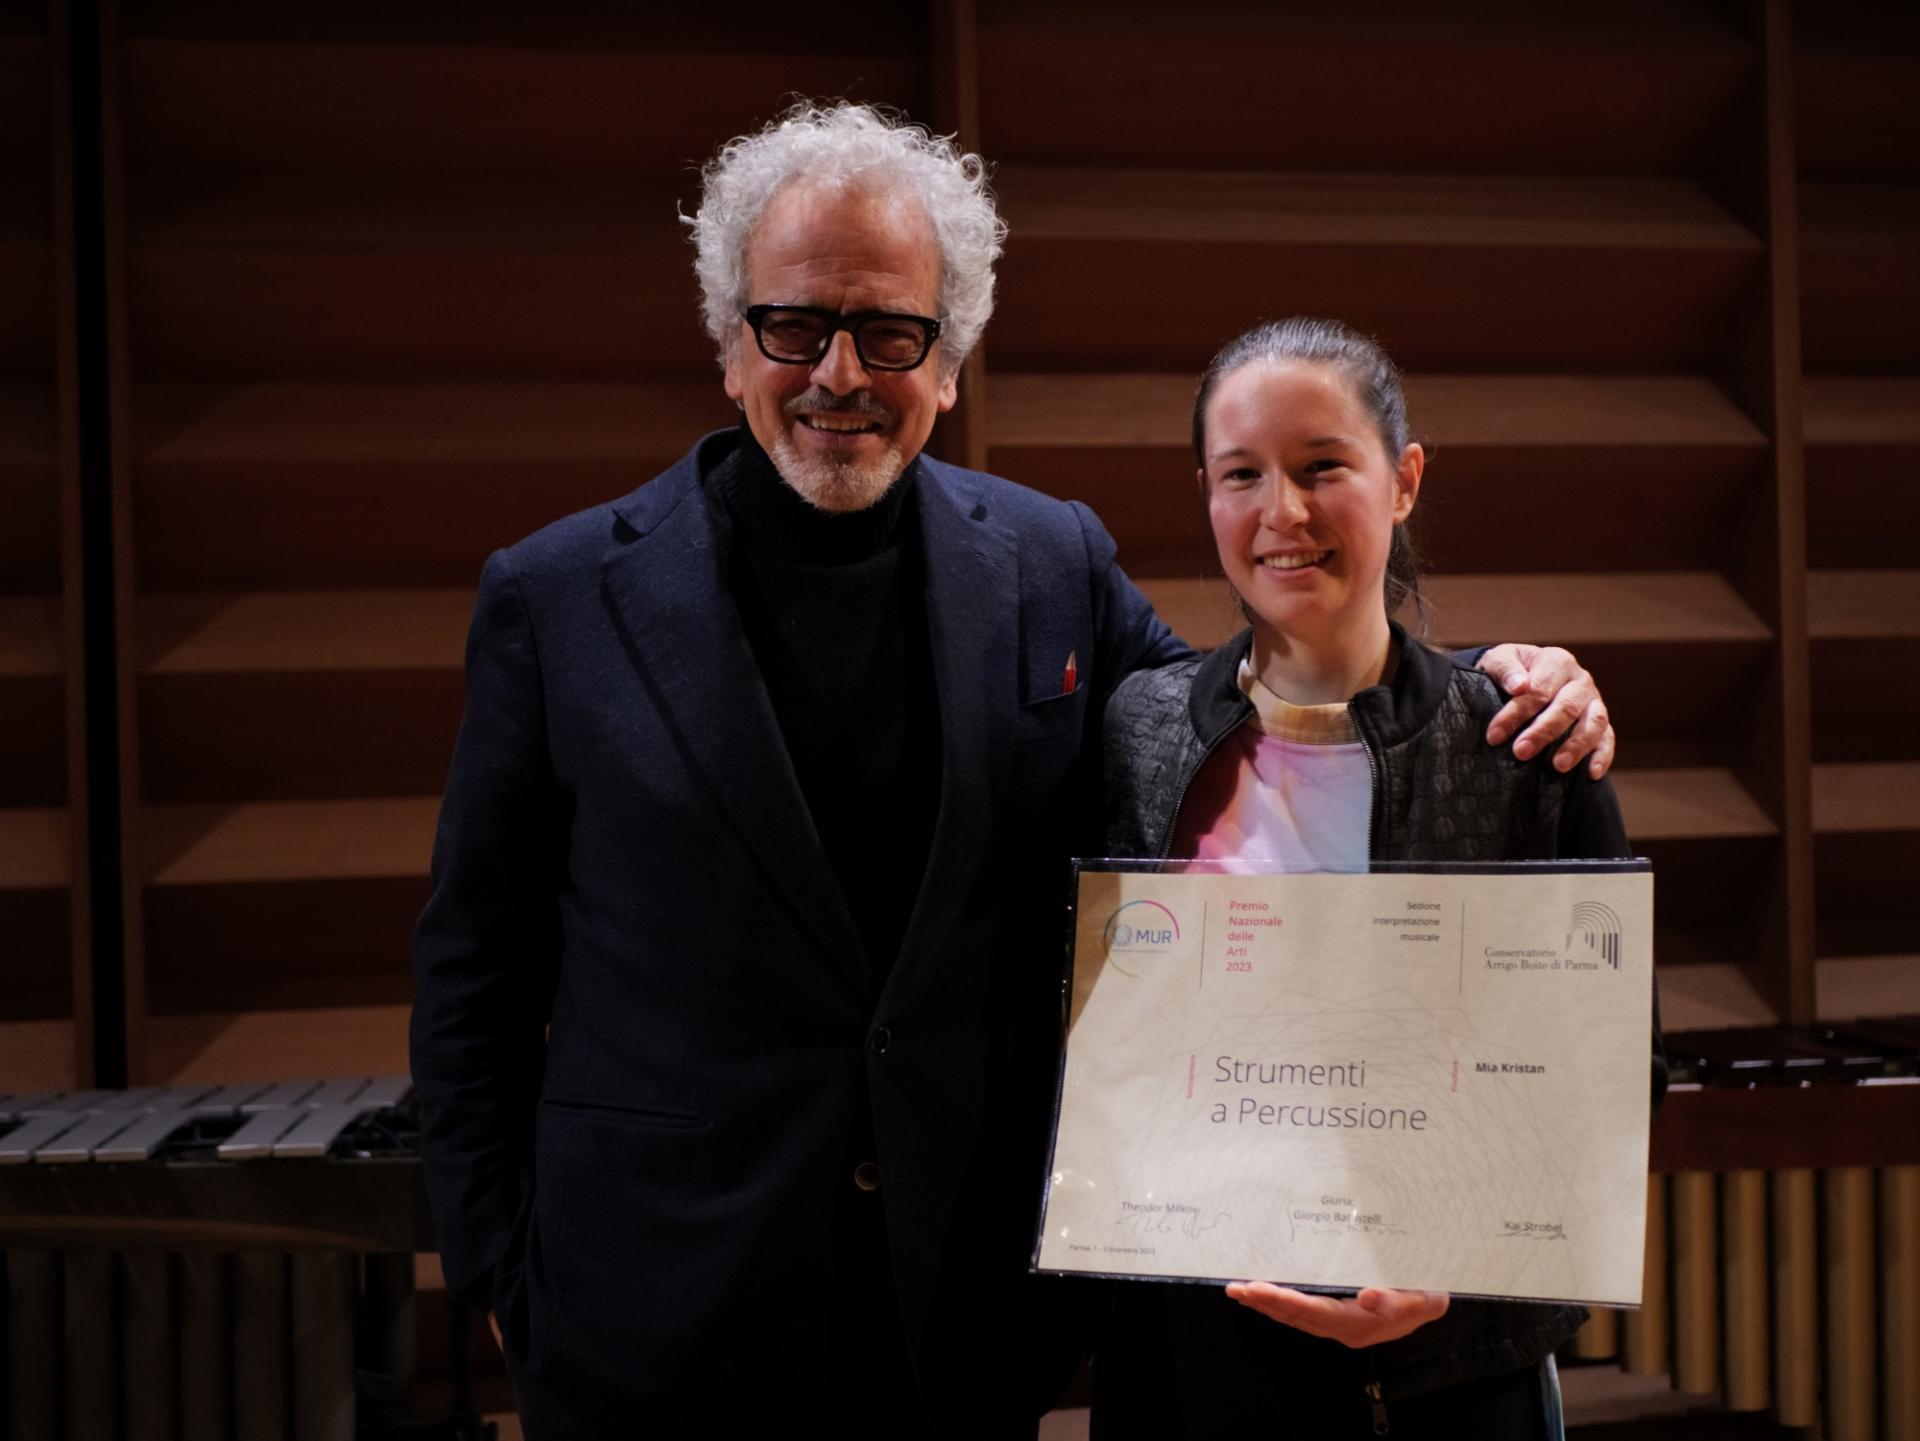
<point x="1860" y="274"/>
<point x="26" y="276"/>
<point x="369" y="278"/>
<point x="1711" y="996"/>
<point x="34" y="851"/>
<point x="1856" y="91"/>
<point x="504" y="103"/>
<point x="1869" y="798"/>
<point x="289" y="841"/>
<point x="1847" y="988"/>
<point x="1688" y="804"/>
<point x="1484" y="87"/>
<point x="30" y="638"/>
<point x="29" y="490"/>
<point x="1616" y="608"/>
<point x="1863" y="605"/>
<point x="1482" y="412"/>
<point x="1573" y="610"/>
<point x="300" y="693"/>
<point x="1862" y="410"/>
<point x="454" y="214"/>
<point x="560" y="24"/>
<point x="1712" y="846"/>
<point x="452" y="472"/>
<point x="25" y="101"/>
<point x="37" y="1055"/>
<point x="285" y="905"/>
<point x="1145" y="269"/>
<point x="1866" y="817"/>
<point x="224" y="1046"/>
<point x="1673" y="454"/>
<point x="35" y="927"/>
<point x="303" y="632"/>
<point x="32" y="702"/>
<point x="1865" y="626"/>
<point x="1860" y="430"/>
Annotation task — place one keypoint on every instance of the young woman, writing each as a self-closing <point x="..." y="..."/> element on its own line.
<point x="1325" y="737"/>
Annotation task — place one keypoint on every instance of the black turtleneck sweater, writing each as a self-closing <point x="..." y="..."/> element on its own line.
<point x="834" y="608"/>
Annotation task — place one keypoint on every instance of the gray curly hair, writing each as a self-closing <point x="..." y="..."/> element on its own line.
<point x="839" y="143"/>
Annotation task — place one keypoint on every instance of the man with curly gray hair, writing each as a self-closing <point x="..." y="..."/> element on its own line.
<point x="737" y="994"/>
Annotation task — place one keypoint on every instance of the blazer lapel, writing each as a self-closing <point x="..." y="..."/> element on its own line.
<point x="972" y="572"/>
<point x="681" y="626"/>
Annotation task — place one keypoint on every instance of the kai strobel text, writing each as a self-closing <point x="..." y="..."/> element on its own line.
<point x="1397" y="1079"/>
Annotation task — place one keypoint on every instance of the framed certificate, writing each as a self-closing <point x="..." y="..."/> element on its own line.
<point x="1431" y="1078"/>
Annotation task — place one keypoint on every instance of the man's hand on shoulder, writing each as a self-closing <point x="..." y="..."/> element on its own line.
<point x="1549" y="693"/>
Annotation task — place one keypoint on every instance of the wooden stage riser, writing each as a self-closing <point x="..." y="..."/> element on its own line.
<point x="252" y="1346"/>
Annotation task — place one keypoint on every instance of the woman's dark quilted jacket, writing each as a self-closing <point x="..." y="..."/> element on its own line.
<point x="1440" y="793"/>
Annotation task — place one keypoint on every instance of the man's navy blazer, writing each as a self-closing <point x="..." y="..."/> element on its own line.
<point x="642" y="1015"/>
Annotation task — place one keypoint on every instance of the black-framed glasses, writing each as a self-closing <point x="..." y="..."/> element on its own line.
<point x="800" y="334"/>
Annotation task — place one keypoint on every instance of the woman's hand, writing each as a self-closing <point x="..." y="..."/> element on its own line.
<point x="1375" y="1315"/>
<point x="1547" y="685"/>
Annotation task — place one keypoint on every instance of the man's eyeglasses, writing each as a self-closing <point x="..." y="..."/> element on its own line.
<point x="800" y="335"/>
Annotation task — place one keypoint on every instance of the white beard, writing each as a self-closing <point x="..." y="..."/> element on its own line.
<point x="838" y="488"/>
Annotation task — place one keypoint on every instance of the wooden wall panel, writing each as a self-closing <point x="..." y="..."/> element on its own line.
<point x="399" y="289"/>
<point x="1858" y="119"/>
<point x="37" y="828"/>
<point x="427" y="267"/>
<point x="1533" y="210"/>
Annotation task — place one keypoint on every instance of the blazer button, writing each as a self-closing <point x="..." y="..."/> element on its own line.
<point x="879" y="1041"/>
<point x="866" y="1176"/>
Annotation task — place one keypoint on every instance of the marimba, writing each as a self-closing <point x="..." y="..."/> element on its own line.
<point x="1783" y="1228"/>
<point x="215" y="1261"/>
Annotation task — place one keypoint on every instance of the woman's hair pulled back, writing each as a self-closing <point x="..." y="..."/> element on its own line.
<point x="1376" y="384"/>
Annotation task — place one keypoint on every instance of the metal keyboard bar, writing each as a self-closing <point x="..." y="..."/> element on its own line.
<point x="18" y="1145"/>
<point x="316" y="1131"/>
<point x="146" y="1135"/>
<point x="225" y="1099"/>
<point x="315" y="1135"/>
<point x="384" y="1091"/>
<point x="255" y="1139"/>
<point x="284" y="1093"/>
<point x="23" y="1104"/>
<point x="179" y="1098"/>
<point x="337" y="1093"/>
<point x="121" y="1131"/>
<point x="140" y="1098"/>
<point x="66" y="1103"/>
<point x="78" y="1144"/>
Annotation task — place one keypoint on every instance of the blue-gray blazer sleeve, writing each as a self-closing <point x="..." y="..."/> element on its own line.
<point x="1131" y="635"/>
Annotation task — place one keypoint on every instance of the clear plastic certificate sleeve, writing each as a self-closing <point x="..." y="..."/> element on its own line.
<point x="1421" y="1076"/>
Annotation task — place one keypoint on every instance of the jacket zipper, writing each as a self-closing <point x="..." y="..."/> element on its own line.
<point x="1379" y="1405"/>
<point x="1376" y="1401"/>
<point x="1373" y="787"/>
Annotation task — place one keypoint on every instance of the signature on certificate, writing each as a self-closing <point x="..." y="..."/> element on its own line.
<point x="1166" y="1218"/>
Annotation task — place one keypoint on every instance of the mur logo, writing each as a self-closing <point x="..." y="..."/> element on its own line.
<point x="1139" y="928"/>
<point x="1598" y="929"/>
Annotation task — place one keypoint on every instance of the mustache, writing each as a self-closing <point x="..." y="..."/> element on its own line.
<point x="821" y="401"/>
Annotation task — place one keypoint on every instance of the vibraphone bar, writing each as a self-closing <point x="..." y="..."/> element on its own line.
<point x="214" y="1262"/>
<point x="1783" y="1229"/>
